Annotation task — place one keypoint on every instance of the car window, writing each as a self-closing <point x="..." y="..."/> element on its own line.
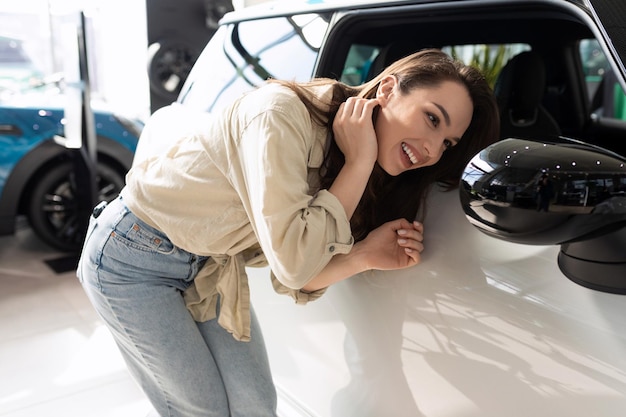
<point x="360" y="60"/>
<point x="17" y="70"/>
<point x="11" y="52"/>
<point x="242" y="55"/>
<point x="358" y="64"/>
<point x="488" y="58"/>
<point x="606" y="95"/>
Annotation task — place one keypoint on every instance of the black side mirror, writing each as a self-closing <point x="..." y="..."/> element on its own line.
<point x="558" y="192"/>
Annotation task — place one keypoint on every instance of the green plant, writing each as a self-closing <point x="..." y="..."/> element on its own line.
<point x="489" y="59"/>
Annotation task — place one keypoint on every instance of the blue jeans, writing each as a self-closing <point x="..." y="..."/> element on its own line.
<point x="134" y="276"/>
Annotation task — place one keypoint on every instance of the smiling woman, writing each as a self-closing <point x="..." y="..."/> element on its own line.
<point x="254" y="185"/>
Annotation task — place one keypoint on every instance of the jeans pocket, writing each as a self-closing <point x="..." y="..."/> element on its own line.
<point x="143" y="237"/>
<point x="135" y="250"/>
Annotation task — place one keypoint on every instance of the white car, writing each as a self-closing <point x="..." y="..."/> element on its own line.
<point x="517" y="309"/>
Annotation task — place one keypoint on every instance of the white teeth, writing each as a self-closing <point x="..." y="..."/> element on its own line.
<point x="408" y="153"/>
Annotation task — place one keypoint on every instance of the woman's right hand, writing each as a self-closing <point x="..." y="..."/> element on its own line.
<point x="354" y="130"/>
<point x="354" y="133"/>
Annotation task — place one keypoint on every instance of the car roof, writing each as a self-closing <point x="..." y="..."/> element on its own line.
<point x="287" y="7"/>
<point x="607" y="15"/>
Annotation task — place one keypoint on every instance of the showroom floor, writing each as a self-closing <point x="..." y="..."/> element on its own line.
<point x="56" y="358"/>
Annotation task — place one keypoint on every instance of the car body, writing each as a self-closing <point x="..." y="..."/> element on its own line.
<point x="37" y="172"/>
<point x="490" y="323"/>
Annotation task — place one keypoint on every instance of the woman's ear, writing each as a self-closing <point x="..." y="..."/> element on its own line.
<point x="386" y="87"/>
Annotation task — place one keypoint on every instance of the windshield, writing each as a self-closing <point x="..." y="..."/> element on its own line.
<point x="240" y="56"/>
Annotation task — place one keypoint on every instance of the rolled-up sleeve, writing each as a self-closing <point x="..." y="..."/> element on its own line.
<point x="299" y="231"/>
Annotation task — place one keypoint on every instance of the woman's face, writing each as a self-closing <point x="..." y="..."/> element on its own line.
<point x="415" y="129"/>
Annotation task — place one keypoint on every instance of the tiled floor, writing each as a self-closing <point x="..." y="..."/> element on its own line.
<point x="56" y="358"/>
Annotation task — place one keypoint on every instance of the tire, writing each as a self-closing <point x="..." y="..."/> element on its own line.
<point x="169" y="64"/>
<point x="53" y="210"/>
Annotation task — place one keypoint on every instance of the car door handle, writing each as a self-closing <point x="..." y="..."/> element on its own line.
<point x="7" y="129"/>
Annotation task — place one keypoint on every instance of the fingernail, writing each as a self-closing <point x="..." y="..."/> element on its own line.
<point x="401" y="232"/>
<point x="402" y="241"/>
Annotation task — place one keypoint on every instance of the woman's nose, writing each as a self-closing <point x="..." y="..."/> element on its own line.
<point x="433" y="146"/>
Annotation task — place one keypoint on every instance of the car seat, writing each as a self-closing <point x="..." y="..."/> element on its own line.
<point x="519" y="88"/>
<point x="389" y="54"/>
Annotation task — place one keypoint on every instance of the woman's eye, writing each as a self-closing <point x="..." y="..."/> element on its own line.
<point x="433" y="119"/>
<point x="447" y="144"/>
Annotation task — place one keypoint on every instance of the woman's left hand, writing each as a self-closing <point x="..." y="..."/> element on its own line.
<point x="394" y="245"/>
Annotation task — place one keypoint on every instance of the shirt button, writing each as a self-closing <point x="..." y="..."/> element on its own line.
<point x="331" y="249"/>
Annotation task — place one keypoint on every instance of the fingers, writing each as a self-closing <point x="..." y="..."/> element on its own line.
<point x="414" y="255"/>
<point x="394" y="245"/>
<point x="410" y="237"/>
<point x="357" y="108"/>
<point x="403" y="224"/>
<point x="410" y="244"/>
<point x="354" y="132"/>
<point x="354" y="119"/>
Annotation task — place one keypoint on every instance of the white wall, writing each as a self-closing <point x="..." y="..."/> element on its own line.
<point x="121" y="54"/>
<point x="118" y="44"/>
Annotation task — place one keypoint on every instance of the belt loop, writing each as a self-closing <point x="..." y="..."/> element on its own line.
<point x="98" y="209"/>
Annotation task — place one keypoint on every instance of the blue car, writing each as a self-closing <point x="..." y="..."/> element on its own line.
<point x="37" y="178"/>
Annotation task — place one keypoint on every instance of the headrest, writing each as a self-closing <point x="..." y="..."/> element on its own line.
<point x="390" y="54"/>
<point x="520" y="85"/>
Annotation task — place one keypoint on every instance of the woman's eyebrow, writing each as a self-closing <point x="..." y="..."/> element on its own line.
<point x="446" y="116"/>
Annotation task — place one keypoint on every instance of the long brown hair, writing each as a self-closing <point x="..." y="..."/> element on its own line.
<point x="390" y="197"/>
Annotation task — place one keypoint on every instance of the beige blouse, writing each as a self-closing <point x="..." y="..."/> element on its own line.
<point x="241" y="187"/>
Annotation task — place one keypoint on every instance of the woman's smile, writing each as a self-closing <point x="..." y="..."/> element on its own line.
<point x="410" y="155"/>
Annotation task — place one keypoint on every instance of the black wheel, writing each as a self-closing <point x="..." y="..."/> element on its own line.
<point x="53" y="210"/>
<point x="169" y="64"/>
